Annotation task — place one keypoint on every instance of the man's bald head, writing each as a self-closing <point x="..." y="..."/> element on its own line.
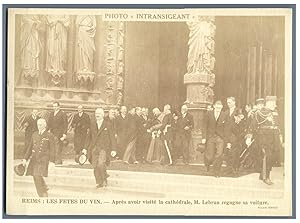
<point x="41" y="124"/>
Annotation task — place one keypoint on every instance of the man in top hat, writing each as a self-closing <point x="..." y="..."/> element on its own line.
<point x="81" y="125"/>
<point x="58" y="125"/>
<point x="215" y="138"/>
<point x="100" y="143"/>
<point x="265" y="132"/>
<point x="41" y="151"/>
<point x="30" y="125"/>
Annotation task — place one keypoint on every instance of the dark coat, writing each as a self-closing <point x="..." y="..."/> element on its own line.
<point x="81" y="126"/>
<point x="182" y="122"/>
<point x="40" y="151"/>
<point x="231" y="128"/>
<point x="31" y="127"/>
<point x="135" y="127"/>
<point x="215" y="127"/>
<point x="58" y="124"/>
<point x="167" y="133"/>
<point x="97" y="140"/>
<point x="121" y="131"/>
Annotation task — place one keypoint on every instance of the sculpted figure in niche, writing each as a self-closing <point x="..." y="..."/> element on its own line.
<point x="30" y="47"/>
<point x="85" y="45"/>
<point x="201" y="45"/>
<point x="57" y="29"/>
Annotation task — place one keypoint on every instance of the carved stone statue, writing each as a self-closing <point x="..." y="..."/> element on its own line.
<point x="201" y="45"/>
<point x="30" y="47"/>
<point x="57" y="28"/>
<point x="85" y="47"/>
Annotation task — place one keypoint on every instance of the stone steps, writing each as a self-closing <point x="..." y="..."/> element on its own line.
<point x="26" y="188"/>
<point x="160" y="184"/>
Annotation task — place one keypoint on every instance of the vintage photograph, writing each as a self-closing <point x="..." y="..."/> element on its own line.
<point x="182" y="112"/>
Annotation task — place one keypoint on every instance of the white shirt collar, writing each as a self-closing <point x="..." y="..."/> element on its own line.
<point x="99" y="123"/>
<point x="41" y="132"/>
<point x="231" y="110"/>
<point x="55" y="112"/>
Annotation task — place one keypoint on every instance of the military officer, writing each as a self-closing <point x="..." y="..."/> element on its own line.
<point x="266" y="133"/>
<point x="40" y="152"/>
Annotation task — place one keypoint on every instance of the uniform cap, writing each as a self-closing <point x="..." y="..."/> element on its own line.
<point x="260" y="101"/>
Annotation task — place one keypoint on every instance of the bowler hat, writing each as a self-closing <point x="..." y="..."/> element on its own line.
<point x="19" y="169"/>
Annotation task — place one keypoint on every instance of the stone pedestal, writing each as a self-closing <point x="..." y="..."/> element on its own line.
<point x="199" y="80"/>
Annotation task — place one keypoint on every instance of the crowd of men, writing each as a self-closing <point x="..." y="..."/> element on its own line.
<point x="248" y="138"/>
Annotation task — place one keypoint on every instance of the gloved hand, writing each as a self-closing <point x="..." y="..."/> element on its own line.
<point x="113" y="153"/>
<point x="24" y="161"/>
<point x="84" y="151"/>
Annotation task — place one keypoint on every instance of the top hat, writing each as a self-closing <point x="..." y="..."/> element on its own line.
<point x="19" y="169"/>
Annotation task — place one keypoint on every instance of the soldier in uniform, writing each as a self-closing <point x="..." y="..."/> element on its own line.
<point x="41" y="151"/>
<point x="266" y="134"/>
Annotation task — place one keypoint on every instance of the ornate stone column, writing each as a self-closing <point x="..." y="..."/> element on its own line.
<point x="114" y="63"/>
<point x="200" y="78"/>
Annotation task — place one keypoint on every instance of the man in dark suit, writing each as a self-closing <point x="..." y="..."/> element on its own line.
<point x="111" y="118"/>
<point x="121" y="132"/>
<point x="100" y="143"/>
<point x="30" y="125"/>
<point x="81" y="125"/>
<point x="215" y="138"/>
<point x="185" y="125"/>
<point x="40" y="151"/>
<point x="58" y="125"/>
<point x="232" y="136"/>
<point x="134" y="129"/>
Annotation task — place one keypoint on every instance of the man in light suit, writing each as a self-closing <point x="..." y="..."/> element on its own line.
<point x="100" y="143"/>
